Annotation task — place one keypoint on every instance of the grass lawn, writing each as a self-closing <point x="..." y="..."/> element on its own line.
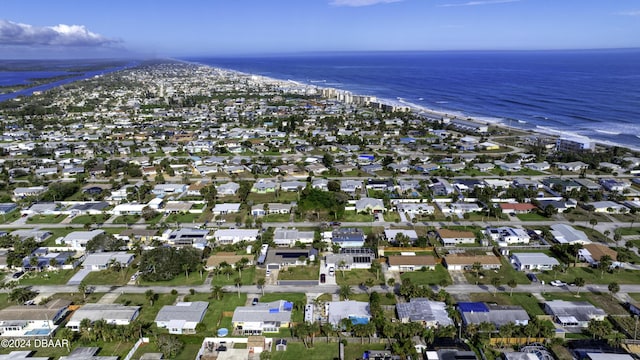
<point x="182" y="218"/>
<point x="126" y="219"/>
<point x="635" y="296"/>
<point x="10" y="217"/>
<point x="604" y="301"/>
<point x="629" y="231"/>
<point x="214" y="318"/>
<point x="192" y="344"/>
<point x="527" y="301"/>
<point x="180" y="280"/>
<point x="505" y="274"/>
<point x="148" y="312"/>
<point x="323" y="351"/>
<point x="579" y="214"/>
<point x="90" y="219"/>
<point x="356" y="277"/>
<point x="428" y="277"/>
<point x="276" y="218"/>
<point x="46" y="219"/>
<point x="155" y="219"/>
<point x="592" y="276"/>
<point x="109" y="277"/>
<point x="309" y="272"/>
<point x="4" y="301"/>
<point x="352" y="216"/>
<point x="77" y="297"/>
<point x="58" y="277"/>
<point x="531" y="217"/>
<point x="248" y="277"/>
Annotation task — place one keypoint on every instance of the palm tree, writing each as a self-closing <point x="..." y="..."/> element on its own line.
<point x="345" y="291"/>
<point x="391" y="282"/>
<point x="579" y="283"/>
<point x="217" y="292"/>
<point x="512" y="284"/>
<point x="476" y="267"/>
<point x="261" y="283"/>
<point x="496" y="284"/>
<point x="614" y="288"/>
<point x="150" y="295"/>
<point x="185" y="268"/>
<point x="576" y="251"/>
<point x="238" y="282"/>
<point x="604" y="264"/>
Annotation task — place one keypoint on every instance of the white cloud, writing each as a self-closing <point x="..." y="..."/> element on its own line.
<point x="629" y="13"/>
<point x="13" y="33"/>
<point x="358" y="3"/>
<point x="478" y="3"/>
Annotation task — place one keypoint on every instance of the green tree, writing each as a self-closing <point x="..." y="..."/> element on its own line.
<point x="512" y="284"/>
<point x="579" y="284"/>
<point x="345" y="291"/>
<point x="614" y="288"/>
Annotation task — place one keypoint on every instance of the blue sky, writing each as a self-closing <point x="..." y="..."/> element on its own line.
<point x="81" y="28"/>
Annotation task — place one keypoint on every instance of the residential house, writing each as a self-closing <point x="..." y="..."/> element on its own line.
<point x="350" y="186"/>
<point x="116" y="314"/>
<point x="455" y="237"/>
<point x="167" y="189"/>
<point x="614" y="185"/>
<point x="459" y="262"/>
<point x="428" y="313"/>
<point x="566" y="234"/>
<point x="185" y="236"/>
<point x="348" y="237"/>
<point x="225" y="208"/>
<point x="574" y="166"/>
<point x="535" y="261"/>
<point x="232" y="236"/>
<point x="356" y="311"/>
<point x="370" y="205"/>
<point x="592" y="253"/>
<point x="259" y="210"/>
<point x="508" y="235"/>
<point x="262" y="318"/>
<point x="26" y="321"/>
<point x="517" y="208"/>
<point x="292" y="185"/>
<point x="479" y="312"/>
<point x="23" y="192"/>
<point x="87" y="353"/>
<point x="229" y="188"/>
<point x="320" y="184"/>
<point x="541" y="166"/>
<point x="289" y="237"/>
<point x="391" y="234"/>
<point x="411" y="262"/>
<point x="78" y="239"/>
<point x="264" y="186"/>
<point x="279" y="258"/>
<point x="573" y="313"/>
<point x="607" y="206"/>
<point x="103" y="260"/>
<point x="350" y="258"/>
<point x="181" y="318"/>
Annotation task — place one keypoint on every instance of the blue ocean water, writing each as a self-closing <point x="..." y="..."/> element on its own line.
<point x="593" y="93"/>
<point x="24" y="77"/>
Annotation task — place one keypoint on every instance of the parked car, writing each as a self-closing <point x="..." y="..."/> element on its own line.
<point x="557" y="283"/>
<point x="532" y="277"/>
<point x="254" y="302"/>
<point x="17" y="274"/>
<point x="323" y="278"/>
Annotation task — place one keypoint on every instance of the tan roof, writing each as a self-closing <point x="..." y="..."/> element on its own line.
<point x="426" y="260"/>
<point x="34" y="312"/>
<point x="462" y="259"/>
<point x="598" y="250"/>
<point x="197" y="186"/>
<point x="456" y="234"/>
<point x="231" y="258"/>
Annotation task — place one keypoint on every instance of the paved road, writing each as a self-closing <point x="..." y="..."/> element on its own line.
<point x="250" y="289"/>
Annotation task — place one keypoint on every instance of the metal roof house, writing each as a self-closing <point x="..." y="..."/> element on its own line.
<point x="182" y="317"/>
<point x="262" y="318"/>
<point x="116" y="314"/>
<point x="573" y="313"/>
<point x="357" y="311"/>
<point x="479" y="312"/>
<point x="429" y="313"/>
<point x="348" y="237"/>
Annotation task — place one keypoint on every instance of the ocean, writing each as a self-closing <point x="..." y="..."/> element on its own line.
<point x="591" y="93"/>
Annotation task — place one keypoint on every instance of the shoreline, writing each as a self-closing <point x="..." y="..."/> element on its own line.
<point x="453" y="114"/>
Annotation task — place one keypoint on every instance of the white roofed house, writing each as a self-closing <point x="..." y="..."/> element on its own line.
<point x="392" y="234"/>
<point x="116" y="314"/>
<point x="262" y="318"/>
<point x="533" y="261"/>
<point x="356" y="311"/>
<point x="181" y="318"/>
<point x="225" y="208"/>
<point x="292" y="185"/>
<point x="103" y="260"/>
<point x="566" y="234"/>
<point x="233" y="236"/>
<point x="429" y="313"/>
<point x="165" y="189"/>
<point x="509" y="235"/>
<point x="186" y="236"/>
<point x="289" y="237"/>
<point x="229" y="188"/>
<point x="608" y="206"/>
<point x="22" y="192"/>
<point x="415" y="208"/>
<point x="270" y="208"/>
<point x="574" y="313"/>
<point x="78" y="239"/>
